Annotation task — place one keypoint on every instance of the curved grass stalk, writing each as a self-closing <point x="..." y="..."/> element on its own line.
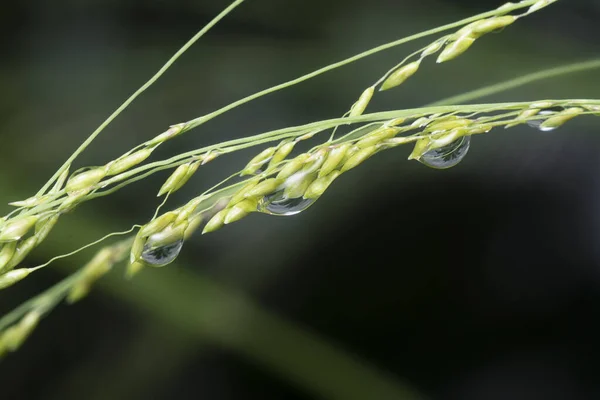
<point x="138" y="92"/>
<point x="146" y="170"/>
<point x="500" y="114"/>
<point x="504" y="10"/>
<point x="504" y="86"/>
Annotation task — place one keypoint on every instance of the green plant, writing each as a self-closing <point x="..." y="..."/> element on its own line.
<point x="273" y="182"/>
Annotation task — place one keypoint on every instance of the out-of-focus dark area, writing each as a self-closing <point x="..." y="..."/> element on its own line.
<point x="477" y="282"/>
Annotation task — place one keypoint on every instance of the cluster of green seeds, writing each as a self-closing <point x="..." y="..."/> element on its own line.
<point x="269" y="177"/>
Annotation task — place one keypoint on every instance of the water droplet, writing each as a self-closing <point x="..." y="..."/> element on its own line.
<point x="277" y="204"/>
<point x="162" y="255"/>
<point x="536" y="123"/>
<point x="447" y="156"/>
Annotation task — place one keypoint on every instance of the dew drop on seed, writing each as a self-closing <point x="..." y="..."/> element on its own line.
<point x="277" y="204"/>
<point x="447" y="156"/>
<point x="162" y="255"/>
<point x="536" y="123"/>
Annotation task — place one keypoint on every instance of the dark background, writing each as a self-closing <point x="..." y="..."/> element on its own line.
<point x="478" y="282"/>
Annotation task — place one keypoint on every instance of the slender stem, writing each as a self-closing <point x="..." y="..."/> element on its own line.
<point x="520" y="81"/>
<point x="279" y="134"/>
<point x="127" y="102"/>
<point x="199" y="121"/>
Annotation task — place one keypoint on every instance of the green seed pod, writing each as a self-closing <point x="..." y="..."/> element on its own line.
<point x="185" y="212"/>
<point x="448" y="124"/>
<point x="12" y="277"/>
<point x="240" y="210"/>
<point x="397" y="141"/>
<point x="44" y="226"/>
<point x="158" y="224"/>
<point x="308" y="135"/>
<point x="334" y="158"/>
<point x="85" y="181"/>
<point x="477" y="129"/>
<point x="216" y="222"/>
<point x="320" y="185"/>
<point x="14" y="337"/>
<point x="264" y="188"/>
<point x="395" y="122"/>
<point x="282" y="152"/>
<point x="178" y="178"/>
<point x="78" y="291"/>
<point x="193" y="225"/>
<point x="446" y="139"/>
<point x="351" y="151"/>
<point x="257" y="162"/>
<point x="523" y="115"/>
<point x="315" y="161"/>
<point x="16" y="228"/>
<point x="293" y="166"/>
<point x="173" y="131"/>
<point x="169" y="235"/>
<point x="211" y="155"/>
<point x="455" y="48"/>
<point x="400" y="75"/>
<point x="377" y="136"/>
<point x="240" y="194"/>
<point x="363" y="101"/>
<point x="561" y="118"/>
<point x="30" y="202"/>
<point x="541" y="104"/>
<point x="7" y="252"/>
<point x="358" y="158"/>
<point x="23" y="249"/>
<point x="420" y="148"/>
<point x="491" y="24"/>
<point x="433" y="48"/>
<point x="133" y="269"/>
<point x="420" y="122"/>
<point x="297" y="184"/>
<point x="99" y="265"/>
<point x="137" y="248"/>
<point x="128" y="161"/>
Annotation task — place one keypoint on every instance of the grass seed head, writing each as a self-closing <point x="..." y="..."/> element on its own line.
<point x="258" y="161"/>
<point x="12" y="277"/>
<point x="264" y="188"/>
<point x="16" y="228"/>
<point x="320" y="185"/>
<point x="282" y="152"/>
<point x="334" y="158"/>
<point x="297" y="184"/>
<point x="216" y="222"/>
<point x="23" y="249"/>
<point x="358" y="158"/>
<point x="400" y="75"/>
<point x="85" y="181"/>
<point x="293" y="166"/>
<point x="7" y="252"/>
<point x="561" y="118"/>
<point x="456" y="48"/>
<point x="157" y="224"/>
<point x="240" y="210"/>
<point x="131" y="160"/>
<point x="363" y="101"/>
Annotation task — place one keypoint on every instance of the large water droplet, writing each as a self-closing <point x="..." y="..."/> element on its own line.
<point x="447" y="156"/>
<point x="162" y="255"/>
<point x="277" y="204"/>
<point x="536" y="123"/>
